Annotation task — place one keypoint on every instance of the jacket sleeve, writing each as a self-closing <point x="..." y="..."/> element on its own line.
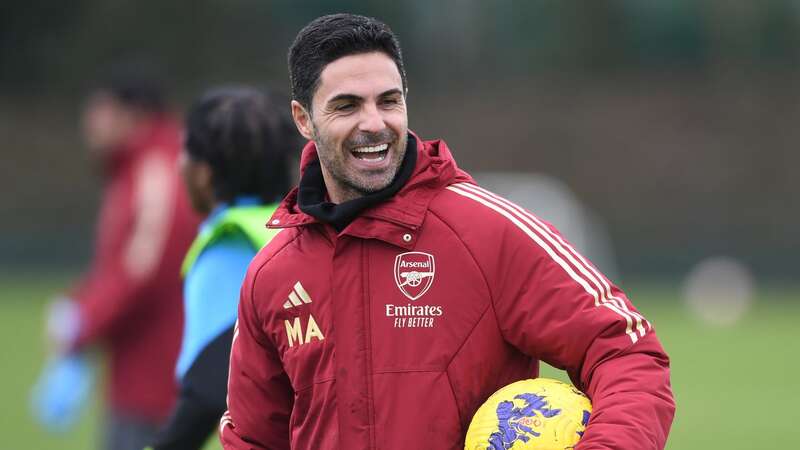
<point x="559" y="308"/>
<point x="260" y="396"/>
<point x="113" y="286"/>
<point x="201" y="401"/>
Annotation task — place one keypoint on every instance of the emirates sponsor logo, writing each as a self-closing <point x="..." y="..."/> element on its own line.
<point x="413" y="273"/>
<point x="413" y="316"/>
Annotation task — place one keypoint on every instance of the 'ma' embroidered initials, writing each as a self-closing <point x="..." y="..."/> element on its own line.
<point x="294" y="331"/>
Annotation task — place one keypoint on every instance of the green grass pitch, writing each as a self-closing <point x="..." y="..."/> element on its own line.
<point x="736" y="387"/>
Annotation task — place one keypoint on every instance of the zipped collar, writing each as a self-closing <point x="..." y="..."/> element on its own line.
<point x="397" y="218"/>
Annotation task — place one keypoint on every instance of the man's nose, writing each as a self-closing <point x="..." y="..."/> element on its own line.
<point x="371" y="119"/>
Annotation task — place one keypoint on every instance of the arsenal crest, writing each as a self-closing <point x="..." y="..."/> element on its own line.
<point x="413" y="273"/>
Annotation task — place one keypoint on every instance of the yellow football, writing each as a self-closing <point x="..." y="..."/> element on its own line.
<point x="540" y="414"/>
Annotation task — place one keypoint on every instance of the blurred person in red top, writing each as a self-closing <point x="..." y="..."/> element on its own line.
<point x="130" y="300"/>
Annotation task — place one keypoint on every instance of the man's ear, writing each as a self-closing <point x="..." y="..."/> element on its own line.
<point x="302" y="120"/>
<point x="205" y="175"/>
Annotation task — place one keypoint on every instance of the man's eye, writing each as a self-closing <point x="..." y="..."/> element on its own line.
<point x="345" y="107"/>
<point x="390" y="101"/>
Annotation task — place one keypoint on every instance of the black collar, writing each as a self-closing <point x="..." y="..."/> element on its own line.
<point x="311" y="192"/>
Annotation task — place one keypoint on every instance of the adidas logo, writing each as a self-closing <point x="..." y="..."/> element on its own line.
<point x="297" y="297"/>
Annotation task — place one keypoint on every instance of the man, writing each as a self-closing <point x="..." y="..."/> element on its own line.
<point x="130" y="302"/>
<point x="400" y="295"/>
<point x="235" y="165"/>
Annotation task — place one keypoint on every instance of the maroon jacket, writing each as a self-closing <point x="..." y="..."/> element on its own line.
<point x="130" y="301"/>
<point x="391" y="333"/>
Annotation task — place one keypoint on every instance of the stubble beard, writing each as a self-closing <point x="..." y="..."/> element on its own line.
<point x="353" y="184"/>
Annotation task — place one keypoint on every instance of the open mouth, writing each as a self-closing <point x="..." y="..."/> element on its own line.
<point x="374" y="153"/>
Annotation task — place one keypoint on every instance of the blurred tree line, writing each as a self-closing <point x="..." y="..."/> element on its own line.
<point x="57" y="44"/>
<point x="673" y="119"/>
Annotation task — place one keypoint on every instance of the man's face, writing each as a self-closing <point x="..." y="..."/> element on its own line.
<point x="106" y="123"/>
<point x="359" y="123"/>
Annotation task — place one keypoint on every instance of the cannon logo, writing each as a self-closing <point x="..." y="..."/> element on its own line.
<point x="413" y="273"/>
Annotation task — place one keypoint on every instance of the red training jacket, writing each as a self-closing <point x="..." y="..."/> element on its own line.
<point x="391" y="333"/>
<point x="131" y="298"/>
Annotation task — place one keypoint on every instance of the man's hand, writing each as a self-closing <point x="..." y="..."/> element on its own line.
<point x="62" y="324"/>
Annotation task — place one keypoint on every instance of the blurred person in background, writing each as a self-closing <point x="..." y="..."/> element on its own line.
<point x="236" y="168"/>
<point x="130" y="301"/>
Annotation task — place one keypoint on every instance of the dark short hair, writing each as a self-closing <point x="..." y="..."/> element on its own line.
<point x="331" y="37"/>
<point x="247" y="136"/>
<point x="135" y="83"/>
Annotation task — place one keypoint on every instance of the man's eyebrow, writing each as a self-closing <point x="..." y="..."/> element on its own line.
<point x="345" y="97"/>
<point x="357" y="98"/>
<point x="390" y="92"/>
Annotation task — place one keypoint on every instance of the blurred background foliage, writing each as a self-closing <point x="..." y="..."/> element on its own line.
<point x="674" y="120"/>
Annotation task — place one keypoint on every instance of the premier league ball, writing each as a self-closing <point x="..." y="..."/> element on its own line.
<point x="540" y="414"/>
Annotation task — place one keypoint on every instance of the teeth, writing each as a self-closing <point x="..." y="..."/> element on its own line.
<point x="377" y="148"/>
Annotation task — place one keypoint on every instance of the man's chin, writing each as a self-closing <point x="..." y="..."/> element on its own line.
<point x="368" y="188"/>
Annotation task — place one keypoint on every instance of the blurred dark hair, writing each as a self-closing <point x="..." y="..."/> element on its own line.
<point x="135" y="83"/>
<point x="331" y="37"/>
<point x="247" y="136"/>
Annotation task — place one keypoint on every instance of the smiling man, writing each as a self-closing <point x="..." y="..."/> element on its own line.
<point x="400" y="295"/>
<point x="364" y="162"/>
